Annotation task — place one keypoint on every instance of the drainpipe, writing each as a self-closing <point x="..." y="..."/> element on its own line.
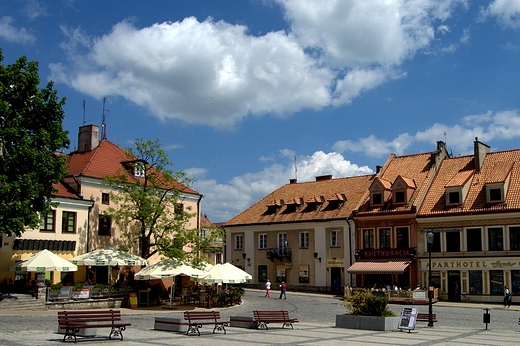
<point x="198" y="220"/>
<point x="350" y="246"/>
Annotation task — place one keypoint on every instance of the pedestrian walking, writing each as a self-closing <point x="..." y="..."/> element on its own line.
<point x="268" y="289"/>
<point x="283" y="289"/>
<point x="507" y="297"/>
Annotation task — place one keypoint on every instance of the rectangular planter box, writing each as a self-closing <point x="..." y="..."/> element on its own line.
<point x="170" y="324"/>
<point x="241" y="321"/>
<point x="367" y="322"/>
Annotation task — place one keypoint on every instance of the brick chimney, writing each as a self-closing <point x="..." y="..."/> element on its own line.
<point x="324" y="177"/>
<point x="88" y="138"/>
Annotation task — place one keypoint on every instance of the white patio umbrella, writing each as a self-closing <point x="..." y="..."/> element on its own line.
<point x="110" y="257"/>
<point x="228" y="274"/>
<point x="44" y="261"/>
<point x="168" y="268"/>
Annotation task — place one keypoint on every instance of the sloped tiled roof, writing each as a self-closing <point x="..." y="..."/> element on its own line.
<point x="460" y="178"/>
<point x="64" y="191"/>
<point x="105" y="159"/>
<point x="354" y="189"/>
<point x="495" y="168"/>
<point x="416" y="168"/>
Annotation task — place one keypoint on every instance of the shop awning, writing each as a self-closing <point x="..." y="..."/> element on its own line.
<point x="379" y="267"/>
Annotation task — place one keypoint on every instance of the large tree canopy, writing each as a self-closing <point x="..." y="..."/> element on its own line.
<point x="31" y="133"/>
<point x="150" y="210"/>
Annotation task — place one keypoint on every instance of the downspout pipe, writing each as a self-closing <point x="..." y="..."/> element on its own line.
<point x="198" y="219"/>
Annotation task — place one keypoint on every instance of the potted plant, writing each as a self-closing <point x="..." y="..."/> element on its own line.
<point x="56" y="287"/>
<point x="237" y="297"/>
<point x="79" y="291"/>
<point x="367" y="311"/>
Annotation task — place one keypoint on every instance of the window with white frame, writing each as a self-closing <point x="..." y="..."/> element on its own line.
<point x="262" y="241"/>
<point x="495" y="193"/>
<point x="334" y="238"/>
<point x="282" y="241"/>
<point x="239" y="242"/>
<point x="139" y="170"/>
<point x="304" y="240"/>
<point x="454" y="196"/>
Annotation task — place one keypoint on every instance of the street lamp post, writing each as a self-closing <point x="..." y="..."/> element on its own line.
<point x="430" y="237"/>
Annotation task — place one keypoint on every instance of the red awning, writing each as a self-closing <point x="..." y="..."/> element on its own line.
<point x="379" y="267"/>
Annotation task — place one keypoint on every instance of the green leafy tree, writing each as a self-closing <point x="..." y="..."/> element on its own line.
<point x="31" y="133"/>
<point x="150" y="211"/>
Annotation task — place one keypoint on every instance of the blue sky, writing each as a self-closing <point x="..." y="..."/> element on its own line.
<point x="239" y="91"/>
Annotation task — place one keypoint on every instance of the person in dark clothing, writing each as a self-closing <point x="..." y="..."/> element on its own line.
<point x="283" y="289"/>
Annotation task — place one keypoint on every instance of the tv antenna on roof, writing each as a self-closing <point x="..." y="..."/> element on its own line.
<point x="103" y="122"/>
<point x="84" y="112"/>
<point x="295" y="168"/>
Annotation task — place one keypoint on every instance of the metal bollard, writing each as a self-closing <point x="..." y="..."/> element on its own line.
<point x="486" y="318"/>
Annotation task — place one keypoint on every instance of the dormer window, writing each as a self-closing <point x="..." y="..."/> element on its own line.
<point x="402" y="190"/>
<point x="293" y="204"/>
<point x="497" y="182"/>
<point x="399" y="197"/>
<point x="313" y="203"/>
<point x="377" y="199"/>
<point x="139" y="171"/>
<point x="335" y="201"/>
<point x="453" y="197"/>
<point x="380" y="192"/>
<point x="495" y="193"/>
<point x="274" y="206"/>
<point x="457" y="188"/>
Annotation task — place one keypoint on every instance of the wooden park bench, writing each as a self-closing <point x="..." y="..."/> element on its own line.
<point x="425" y="317"/>
<point x="196" y="319"/>
<point x="262" y="318"/>
<point x="72" y="321"/>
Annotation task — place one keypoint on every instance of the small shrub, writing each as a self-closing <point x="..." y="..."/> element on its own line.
<point x="367" y="304"/>
<point x="78" y="286"/>
<point x="56" y="287"/>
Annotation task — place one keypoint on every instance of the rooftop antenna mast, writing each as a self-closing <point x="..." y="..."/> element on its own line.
<point x="103" y="122"/>
<point x="295" y="168"/>
<point x="84" y="121"/>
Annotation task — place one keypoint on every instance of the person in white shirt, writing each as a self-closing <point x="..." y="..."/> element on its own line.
<point x="268" y="289"/>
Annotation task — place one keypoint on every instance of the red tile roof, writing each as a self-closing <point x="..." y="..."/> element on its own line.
<point x="105" y="159"/>
<point x="416" y="170"/>
<point x="64" y="191"/>
<point x="353" y="188"/>
<point x="495" y="168"/>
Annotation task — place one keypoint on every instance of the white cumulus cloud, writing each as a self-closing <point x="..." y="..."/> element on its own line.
<point x="217" y="73"/>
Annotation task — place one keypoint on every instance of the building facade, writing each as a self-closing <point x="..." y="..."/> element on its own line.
<point x="473" y="210"/>
<point x="79" y="223"/>
<point x="386" y="232"/>
<point x="300" y="234"/>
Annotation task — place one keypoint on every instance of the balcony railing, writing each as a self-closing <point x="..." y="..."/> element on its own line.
<point x="279" y="254"/>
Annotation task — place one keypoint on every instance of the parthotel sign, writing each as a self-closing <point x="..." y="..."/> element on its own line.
<point x="472" y="264"/>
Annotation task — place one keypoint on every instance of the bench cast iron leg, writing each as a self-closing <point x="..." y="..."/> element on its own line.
<point x="220" y="327"/>
<point x="70" y="334"/>
<point x="193" y="328"/>
<point x="117" y="332"/>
